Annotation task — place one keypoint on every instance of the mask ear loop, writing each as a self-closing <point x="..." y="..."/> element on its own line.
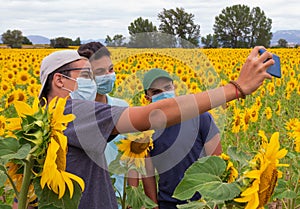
<point x="66" y="89"/>
<point x="67" y="78"/>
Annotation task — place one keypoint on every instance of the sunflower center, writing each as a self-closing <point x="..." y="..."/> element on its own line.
<point x="268" y="182"/>
<point x="138" y="147"/>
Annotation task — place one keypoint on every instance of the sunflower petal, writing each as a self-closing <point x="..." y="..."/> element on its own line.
<point x="23" y="108"/>
<point x="68" y="182"/>
<point x="77" y="179"/>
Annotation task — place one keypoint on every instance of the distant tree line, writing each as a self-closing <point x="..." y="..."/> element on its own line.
<point x="15" y="39"/>
<point x="62" y="42"/>
<point x="236" y="26"/>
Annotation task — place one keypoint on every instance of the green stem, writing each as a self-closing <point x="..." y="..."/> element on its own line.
<point x="124" y="193"/>
<point x="296" y="191"/>
<point x="22" y="201"/>
<point x="12" y="184"/>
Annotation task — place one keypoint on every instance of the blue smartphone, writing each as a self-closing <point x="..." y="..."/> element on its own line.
<point x="275" y="69"/>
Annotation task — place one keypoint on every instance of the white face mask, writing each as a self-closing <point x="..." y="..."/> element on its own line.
<point x="86" y="89"/>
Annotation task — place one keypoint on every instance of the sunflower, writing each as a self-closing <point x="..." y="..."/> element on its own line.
<point x="278" y="108"/>
<point x="268" y="113"/>
<point x="52" y="138"/>
<point x="2" y="124"/>
<point x="10" y="98"/>
<point x="246" y="117"/>
<point x="237" y="120"/>
<point x="271" y="89"/>
<point x="254" y="113"/>
<point x="231" y="172"/>
<point x="296" y="135"/>
<point x="54" y="174"/>
<point x="23" y="78"/>
<point x="135" y="148"/>
<point x="33" y="90"/>
<point x="263" y="173"/>
<point x="5" y="87"/>
<point x="21" y="95"/>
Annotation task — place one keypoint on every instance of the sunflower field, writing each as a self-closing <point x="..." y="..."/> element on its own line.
<point x="272" y="112"/>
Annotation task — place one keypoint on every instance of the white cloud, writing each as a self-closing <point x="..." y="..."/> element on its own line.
<point x="93" y="19"/>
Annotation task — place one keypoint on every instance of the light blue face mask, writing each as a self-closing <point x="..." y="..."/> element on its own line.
<point x="163" y="95"/>
<point x="105" y="83"/>
<point x="86" y="90"/>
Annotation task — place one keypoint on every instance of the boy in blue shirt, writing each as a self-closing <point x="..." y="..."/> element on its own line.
<point x="177" y="147"/>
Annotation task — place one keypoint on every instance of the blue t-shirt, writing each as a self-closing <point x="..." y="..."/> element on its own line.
<point x="176" y="148"/>
<point x="87" y="136"/>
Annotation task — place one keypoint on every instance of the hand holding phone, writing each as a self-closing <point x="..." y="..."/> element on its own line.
<point x="273" y="70"/>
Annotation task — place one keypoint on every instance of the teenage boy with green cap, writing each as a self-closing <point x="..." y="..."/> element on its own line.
<point x="176" y="147"/>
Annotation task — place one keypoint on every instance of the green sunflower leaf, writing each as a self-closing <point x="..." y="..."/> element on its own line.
<point x="199" y="205"/>
<point x="8" y="146"/>
<point x="212" y="164"/>
<point x="136" y="198"/>
<point x="115" y="166"/>
<point x="209" y="186"/>
<point x="237" y="155"/>
<point x="204" y="177"/>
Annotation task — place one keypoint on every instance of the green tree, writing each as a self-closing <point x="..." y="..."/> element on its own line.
<point x="180" y="24"/>
<point x="142" y="34"/>
<point x="260" y="28"/>
<point x="210" y="41"/>
<point x="116" y="41"/>
<point x="239" y="27"/>
<point x="141" y="25"/>
<point x="76" y="42"/>
<point x="13" y="38"/>
<point x="108" y="40"/>
<point x="60" y="42"/>
<point x="26" y="41"/>
<point x="282" y="43"/>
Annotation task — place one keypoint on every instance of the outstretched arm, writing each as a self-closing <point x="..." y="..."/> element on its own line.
<point x="172" y="111"/>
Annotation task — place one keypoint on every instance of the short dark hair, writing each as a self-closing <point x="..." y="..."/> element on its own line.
<point x="93" y="50"/>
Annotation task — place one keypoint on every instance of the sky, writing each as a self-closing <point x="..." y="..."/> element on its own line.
<point x="95" y="19"/>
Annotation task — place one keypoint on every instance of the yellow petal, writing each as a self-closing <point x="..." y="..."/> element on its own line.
<point x="243" y="199"/>
<point x="14" y="124"/>
<point x="282" y="153"/>
<point x="23" y="108"/>
<point x="254" y="174"/>
<point x="273" y="145"/>
<point x="68" y="182"/>
<point x="61" y="185"/>
<point x="77" y="179"/>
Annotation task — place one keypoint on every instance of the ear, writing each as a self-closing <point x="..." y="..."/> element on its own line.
<point x="57" y="80"/>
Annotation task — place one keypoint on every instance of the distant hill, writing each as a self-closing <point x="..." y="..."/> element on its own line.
<point x="291" y="36"/>
<point x="35" y="39"/>
<point x="102" y="41"/>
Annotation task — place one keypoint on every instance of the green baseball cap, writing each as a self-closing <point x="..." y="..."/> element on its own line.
<point x="154" y="74"/>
